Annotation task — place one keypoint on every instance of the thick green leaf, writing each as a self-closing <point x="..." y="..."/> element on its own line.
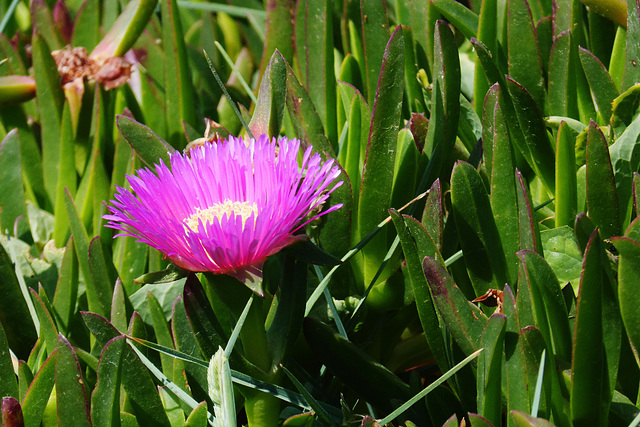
<point x="30" y="153"/>
<point x="118" y="307"/>
<point x="8" y="383"/>
<point x="433" y="214"/>
<point x="445" y="105"/>
<point x="375" y="36"/>
<point x="50" y="103"/>
<point x="162" y="332"/>
<point x="632" y="56"/>
<point x="628" y="292"/>
<point x="204" y="323"/>
<point x="66" y="178"/>
<point x="525" y="65"/>
<point x="464" y="320"/>
<point x="379" y="162"/>
<point x="86" y="28"/>
<point x="548" y="303"/>
<point x="141" y="389"/>
<point x="624" y="110"/>
<point x="103" y="273"/>
<point x="73" y="408"/>
<point x="314" y="31"/>
<point x="105" y="406"/>
<point x="602" y="87"/>
<point x="186" y="343"/>
<point x="422" y="294"/>
<point x="415" y="93"/>
<point x="537" y="148"/>
<point x="307" y="123"/>
<point x="44" y="25"/>
<point x="25" y="378"/>
<point x="602" y="198"/>
<point x="477" y="231"/>
<point x="353" y="151"/>
<point x="562" y="82"/>
<point x="125" y="31"/>
<point x="64" y="298"/>
<point x="566" y="190"/>
<point x="625" y="160"/>
<point x="12" y="199"/>
<point x="516" y="379"/>
<point x="462" y="18"/>
<point x="197" y="417"/>
<point x="490" y="363"/>
<point x="278" y="33"/>
<point x="504" y="195"/>
<point x="179" y="98"/>
<point x="268" y="114"/>
<point x="166" y="294"/>
<point x="563" y="254"/>
<point x="14" y="312"/>
<point x="98" y="301"/>
<point x="287" y="320"/>
<point x="404" y="174"/>
<point x="589" y="380"/>
<point x="48" y="329"/>
<point x="35" y="401"/>
<point x="149" y="146"/>
<point x="529" y="229"/>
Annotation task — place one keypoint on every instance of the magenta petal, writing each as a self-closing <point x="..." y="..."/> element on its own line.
<point x="156" y="208"/>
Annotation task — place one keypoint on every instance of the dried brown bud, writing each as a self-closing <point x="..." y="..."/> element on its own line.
<point x="114" y="73"/>
<point x="74" y="63"/>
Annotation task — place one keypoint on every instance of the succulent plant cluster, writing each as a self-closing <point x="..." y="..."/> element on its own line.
<point x="300" y="213"/>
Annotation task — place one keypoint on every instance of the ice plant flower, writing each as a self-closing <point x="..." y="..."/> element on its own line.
<point x="225" y="206"/>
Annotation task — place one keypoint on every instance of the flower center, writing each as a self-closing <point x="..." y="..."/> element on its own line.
<point x="218" y="210"/>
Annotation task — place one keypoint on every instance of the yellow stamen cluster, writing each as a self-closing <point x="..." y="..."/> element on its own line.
<point x="218" y="210"/>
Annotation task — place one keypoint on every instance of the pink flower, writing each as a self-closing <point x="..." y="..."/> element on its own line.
<point x="227" y="206"/>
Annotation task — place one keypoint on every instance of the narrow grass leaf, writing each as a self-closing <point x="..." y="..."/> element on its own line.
<point x="313" y="403"/>
<point x="430" y="388"/>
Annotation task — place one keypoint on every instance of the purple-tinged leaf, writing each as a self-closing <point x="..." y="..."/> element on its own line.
<point x="37" y="397"/>
<point x="375" y="190"/>
<point x="464" y="320"/>
<point x="537" y="148"/>
<point x="70" y="393"/>
<point x="490" y="365"/>
<point x="477" y="230"/>
<point x="105" y="405"/>
<point x="525" y="65"/>
<point x="562" y="81"/>
<point x="602" y="87"/>
<point x="589" y="382"/>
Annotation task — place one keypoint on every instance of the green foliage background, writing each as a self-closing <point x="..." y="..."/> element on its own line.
<point x="489" y="150"/>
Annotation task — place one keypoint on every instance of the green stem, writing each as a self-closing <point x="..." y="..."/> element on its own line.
<point x="262" y="408"/>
